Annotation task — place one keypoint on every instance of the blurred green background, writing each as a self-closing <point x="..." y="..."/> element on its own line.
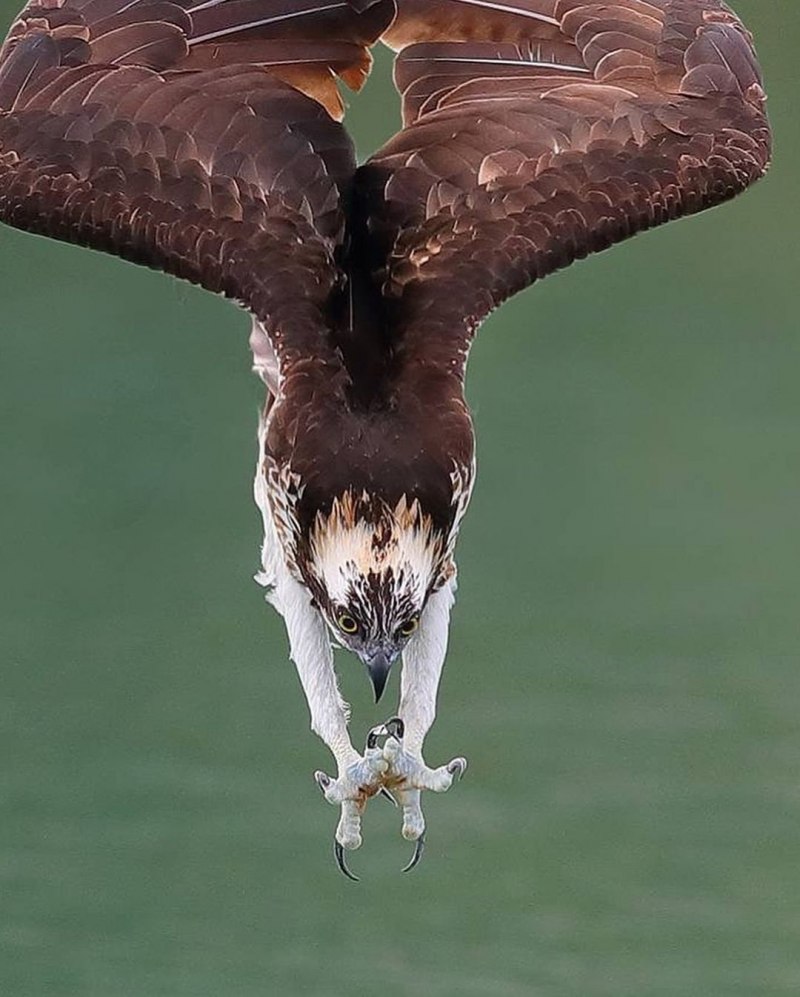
<point x="624" y="668"/>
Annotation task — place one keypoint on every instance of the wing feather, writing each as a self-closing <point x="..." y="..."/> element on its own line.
<point x="539" y="131"/>
<point x="196" y="138"/>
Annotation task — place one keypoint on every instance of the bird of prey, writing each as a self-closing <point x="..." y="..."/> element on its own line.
<point x="204" y="138"/>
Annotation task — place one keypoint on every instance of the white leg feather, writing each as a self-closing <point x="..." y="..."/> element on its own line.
<point x="423" y="661"/>
<point x="312" y="654"/>
<point x="422" y="670"/>
<point x="309" y="640"/>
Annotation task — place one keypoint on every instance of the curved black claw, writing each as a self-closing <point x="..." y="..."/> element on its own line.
<point x="392" y="728"/>
<point x="457" y="768"/>
<point x="419" y="849"/>
<point x="395" y="728"/>
<point x="338" y="853"/>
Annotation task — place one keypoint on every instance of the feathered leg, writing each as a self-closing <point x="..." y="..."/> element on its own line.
<point x="423" y="661"/>
<point x="359" y="777"/>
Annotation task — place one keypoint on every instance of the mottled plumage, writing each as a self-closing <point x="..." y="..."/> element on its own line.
<point x="204" y="138"/>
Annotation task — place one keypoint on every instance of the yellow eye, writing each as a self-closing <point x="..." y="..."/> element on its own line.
<point x="409" y="627"/>
<point x="346" y="623"/>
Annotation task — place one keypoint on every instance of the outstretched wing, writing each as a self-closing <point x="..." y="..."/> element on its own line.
<point x="539" y="131"/>
<point x="197" y="137"/>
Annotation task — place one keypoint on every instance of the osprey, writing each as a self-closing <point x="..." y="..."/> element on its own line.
<point x="204" y="138"/>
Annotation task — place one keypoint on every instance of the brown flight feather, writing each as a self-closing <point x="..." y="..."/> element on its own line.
<point x="538" y="131"/>
<point x="194" y="137"/>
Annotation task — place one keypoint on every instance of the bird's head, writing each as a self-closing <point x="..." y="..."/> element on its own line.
<point x="371" y="568"/>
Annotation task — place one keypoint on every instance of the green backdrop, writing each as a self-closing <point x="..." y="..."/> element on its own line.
<point x="623" y="674"/>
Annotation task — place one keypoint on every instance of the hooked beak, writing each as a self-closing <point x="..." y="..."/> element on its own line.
<point x="379" y="665"/>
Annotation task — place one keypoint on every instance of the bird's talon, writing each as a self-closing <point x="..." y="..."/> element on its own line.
<point x="457" y="767"/>
<point x="419" y="849"/>
<point x="338" y="852"/>
<point x="374" y="763"/>
<point x="395" y="728"/>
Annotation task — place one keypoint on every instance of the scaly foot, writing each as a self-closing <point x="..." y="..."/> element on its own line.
<point x="407" y="775"/>
<point x="359" y="781"/>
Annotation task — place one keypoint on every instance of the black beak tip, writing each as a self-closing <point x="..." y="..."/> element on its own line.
<point x="379" y="685"/>
<point x="379" y="668"/>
